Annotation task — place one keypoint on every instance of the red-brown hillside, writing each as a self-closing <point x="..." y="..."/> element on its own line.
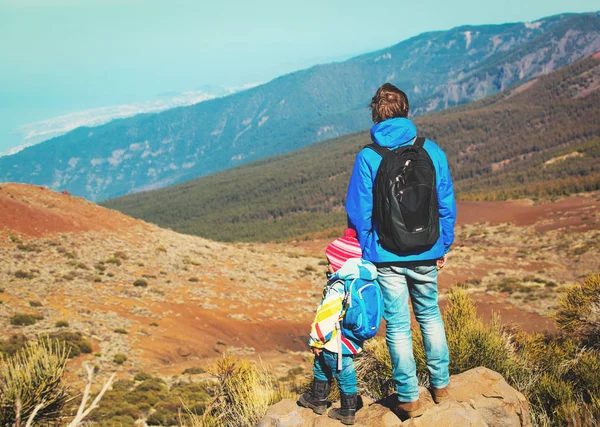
<point x="36" y="212"/>
<point x="198" y="298"/>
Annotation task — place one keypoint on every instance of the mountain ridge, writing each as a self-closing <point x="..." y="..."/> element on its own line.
<point x="295" y="110"/>
<point x="496" y="147"/>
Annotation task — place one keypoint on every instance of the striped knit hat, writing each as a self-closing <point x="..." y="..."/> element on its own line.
<point x="342" y="249"/>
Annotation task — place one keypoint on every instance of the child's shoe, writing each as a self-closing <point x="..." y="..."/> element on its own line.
<point x="317" y="398"/>
<point x="347" y="412"/>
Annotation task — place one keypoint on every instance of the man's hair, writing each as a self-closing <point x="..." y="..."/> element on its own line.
<point x="388" y="102"/>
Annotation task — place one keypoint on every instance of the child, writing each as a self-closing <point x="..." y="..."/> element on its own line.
<point x="326" y="340"/>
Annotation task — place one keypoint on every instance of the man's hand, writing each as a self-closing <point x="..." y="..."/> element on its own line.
<point x="316" y="351"/>
<point x="441" y="262"/>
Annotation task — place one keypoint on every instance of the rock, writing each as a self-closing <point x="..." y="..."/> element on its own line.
<point x="287" y="413"/>
<point x="455" y="414"/>
<point x="481" y="398"/>
<point x="489" y="394"/>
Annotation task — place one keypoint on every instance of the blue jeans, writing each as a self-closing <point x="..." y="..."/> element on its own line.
<point x="325" y="368"/>
<point x="420" y="282"/>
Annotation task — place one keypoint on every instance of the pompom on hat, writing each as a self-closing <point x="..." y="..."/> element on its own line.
<point x="342" y="249"/>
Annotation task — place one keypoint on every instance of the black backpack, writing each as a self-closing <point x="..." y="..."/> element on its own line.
<point x="405" y="205"/>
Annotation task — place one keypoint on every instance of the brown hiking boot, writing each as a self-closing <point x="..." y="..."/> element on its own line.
<point x="405" y="410"/>
<point x="440" y="394"/>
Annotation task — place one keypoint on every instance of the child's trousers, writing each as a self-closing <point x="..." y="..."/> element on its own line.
<point x="325" y="368"/>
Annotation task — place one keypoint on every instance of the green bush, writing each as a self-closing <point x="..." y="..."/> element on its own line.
<point x="74" y="341"/>
<point x="579" y="311"/>
<point x="23" y="319"/>
<point x="121" y="331"/>
<point x="120" y="254"/>
<point x="142" y="376"/>
<point x="20" y="274"/>
<point x="35" y="303"/>
<point x="119" y="359"/>
<point x="33" y="376"/>
<point x="10" y="346"/>
<point x="193" y="371"/>
<point x="115" y="261"/>
<point x="152" y="384"/>
<point x="140" y="283"/>
<point x="61" y="324"/>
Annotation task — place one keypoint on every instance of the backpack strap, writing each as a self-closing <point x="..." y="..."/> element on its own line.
<point x="382" y="151"/>
<point x="419" y="142"/>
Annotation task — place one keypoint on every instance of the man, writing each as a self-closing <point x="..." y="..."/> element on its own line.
<point x="411" y="274"/>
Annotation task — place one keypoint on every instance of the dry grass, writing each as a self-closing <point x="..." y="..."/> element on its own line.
<point x="246" y="392"/>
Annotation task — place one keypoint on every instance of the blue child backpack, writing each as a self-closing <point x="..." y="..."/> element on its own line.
<point x="363" y="302"/>
<point x="364" y="309"/>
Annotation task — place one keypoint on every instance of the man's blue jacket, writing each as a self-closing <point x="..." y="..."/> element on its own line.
<point x="394" y="133"/>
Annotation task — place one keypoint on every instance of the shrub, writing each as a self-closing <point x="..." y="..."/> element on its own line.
<point x="13" y="344"/>
<point x="152" y="384"/>
<point x="35" y="303"/>
<point x="20" y="274"/>
<point x="193" y="371"/>
<point x="119" y="359"/>
<point x="74" y="341"/>
<point x="32" y="376"/>
<point x="120" y="254"/>
<point x="375" y="358"/>
<point x="140" y="283"/>
<point x="15" y="239"/>
<point x="142" y="376"/>
<point x="61" y="324"/>
<point x="70" y="275"/>
<point x="27" y="247"/>
<point x="22" y="319"/>
<point x="121" y="331"/>
<point x="578" y="313"/>
<point x="472" y="343"/>
<point x="113" y="260"/>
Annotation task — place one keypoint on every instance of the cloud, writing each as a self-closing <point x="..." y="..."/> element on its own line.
<point x="34" y="133"/>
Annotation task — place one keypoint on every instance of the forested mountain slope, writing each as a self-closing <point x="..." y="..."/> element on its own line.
<point x="437" y="70"/>
<point x="539" y="139"/>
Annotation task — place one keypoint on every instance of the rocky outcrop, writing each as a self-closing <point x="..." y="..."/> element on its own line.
<point x="481" y="397"/>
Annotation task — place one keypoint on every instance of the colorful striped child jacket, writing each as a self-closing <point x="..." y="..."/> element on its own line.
<point x="325" y="329"/>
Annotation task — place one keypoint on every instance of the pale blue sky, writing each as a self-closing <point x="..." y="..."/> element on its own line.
<point x="62" y="56"/>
